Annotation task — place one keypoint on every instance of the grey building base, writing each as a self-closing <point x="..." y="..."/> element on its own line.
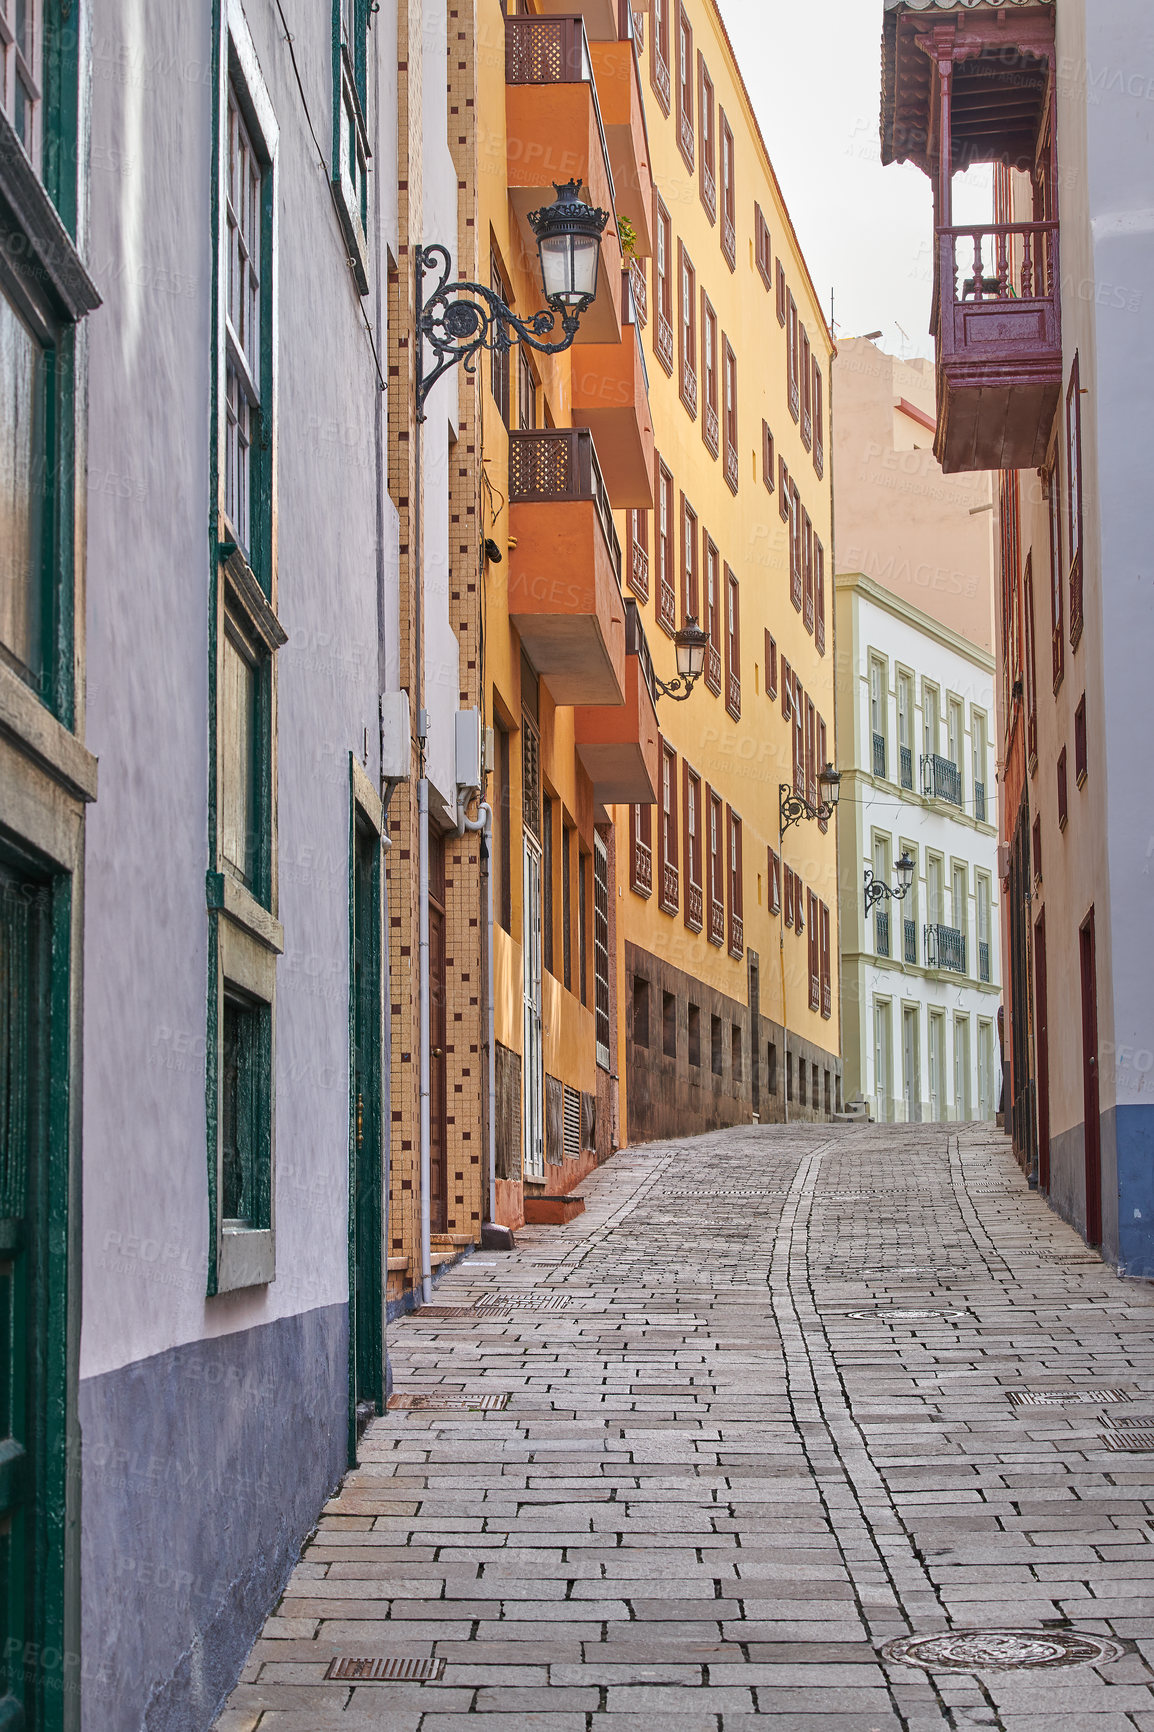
<point x="204" y="1468"/>
<point x="1127" y="1186"/>
<point x="670" y="1096"/>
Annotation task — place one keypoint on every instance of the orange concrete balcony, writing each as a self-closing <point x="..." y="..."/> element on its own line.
<point x="565" y="569"/>
<point x="618" y="79"/>
<point x="554" y="133"/>
<point x="611" y="398"/>
<point x="618" y="743"/>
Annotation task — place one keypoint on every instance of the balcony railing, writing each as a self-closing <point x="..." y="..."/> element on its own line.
<point x="546" y="51"/>
<point x="667" y="606"/>
<point x="640" y="286"/>
<point x="818" y="454"/>
<point x="907" y="766"/>
<point x="687" y="139"/>
<point x="637" y="644"/>
<point x="910" y="936"/>
<point x="709" y="190"/>
<point x="663" y="341"/>
<point x="694" y="905"/>
<point x="983" y="961"/>
<point x="717" y="923"/>
<point x="980" y="802"/>
<point x="946" y="948"/>
<point x="880" y="756"/>
<point x="639" y="571"/>
<point x="882" y="932"/>
<point x="643" y="868"/>
<point x="998" y="262"/>
<point x="736" y="934"/>
<point x="732" y="467"/>
<point x="669" y="889"/>
<point x="557" y="463"/>
<point x="826" y="999"/>
<point x="713" y="669"/>
<point x="689" y="387"/>
<point x="711" y="427"/>
<point x="941" y="779"/>
<point x="733" y="696"/>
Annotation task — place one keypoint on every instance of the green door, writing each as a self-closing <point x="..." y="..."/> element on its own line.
<point x="366" y="1208"/>
<point x="32" y="1311"/>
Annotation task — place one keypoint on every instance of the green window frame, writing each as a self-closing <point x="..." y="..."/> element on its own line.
<point x="245" y="936"/>
<point x="351" y="153"/>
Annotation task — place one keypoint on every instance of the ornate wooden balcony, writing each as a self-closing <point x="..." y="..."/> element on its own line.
<point x="694" y="905"/>
<point x="642" y="868"/>
<point x="999" y="345"/>
<point x="736" y="934"/>
<point x="618" y="743"/>
<point x="717" y="923"/>
<point x="713" y="669"/>
<point x="565" y="572"/>
<point x="670" y="889"/>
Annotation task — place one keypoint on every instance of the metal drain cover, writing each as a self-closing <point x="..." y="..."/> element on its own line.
<point x="1066" y="1397"/>
<point x="1000" y="1650"/>
<point x="349" y="1671"/>
<point x="438" y="1311"/>
<point x="424" y="1400"/>
<point x="905" y="1316"/>
<point x="522" y="1302"/>
<point x="1138" y="1442"/>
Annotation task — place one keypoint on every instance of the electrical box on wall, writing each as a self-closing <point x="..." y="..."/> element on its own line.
<point x="469" y="773"/>
<point x="487" y="764"/>
<point x="396" y="737"/>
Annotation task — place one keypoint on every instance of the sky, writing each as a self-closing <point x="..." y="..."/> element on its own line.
<point x="814" y="76"/>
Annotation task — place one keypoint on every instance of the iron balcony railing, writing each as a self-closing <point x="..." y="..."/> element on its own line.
<point x="882" y="932"/>
<point x="880" y="756"/>
<point x="911" y="942"/>
<point x="983" y="961"/>
<point x="980" y="802"/>
<point x="907" y="758"/>
<point x="946" y="948"/>
<point x="941" y="779"/>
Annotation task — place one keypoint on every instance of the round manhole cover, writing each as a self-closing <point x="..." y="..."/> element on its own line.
<point x="1000" y="1650"/>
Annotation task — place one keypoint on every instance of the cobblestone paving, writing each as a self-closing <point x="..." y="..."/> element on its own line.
<point x="762" y="1425"/>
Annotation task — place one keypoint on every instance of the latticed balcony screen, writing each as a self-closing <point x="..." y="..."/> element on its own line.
<point x="545" y="51"/>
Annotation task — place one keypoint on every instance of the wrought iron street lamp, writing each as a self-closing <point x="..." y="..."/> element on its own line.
<point x="459" y="320"/>
<point x="691" y="644"/>
<point x="876" y="891"/>
<point x="792" y="808"/>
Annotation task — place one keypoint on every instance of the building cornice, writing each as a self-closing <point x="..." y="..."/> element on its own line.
<point x="870" y="590"/>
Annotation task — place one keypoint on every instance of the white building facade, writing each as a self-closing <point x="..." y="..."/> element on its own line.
<point x="920" y="974"/>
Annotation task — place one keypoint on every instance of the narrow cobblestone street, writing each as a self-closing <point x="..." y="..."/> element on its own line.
<point x="779" y="1397"/>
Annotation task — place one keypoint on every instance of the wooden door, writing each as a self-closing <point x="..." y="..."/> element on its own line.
<point x="1090" y="1088"/>
<point x="1042" y="1052"/>
<point x="367" y="1203"/>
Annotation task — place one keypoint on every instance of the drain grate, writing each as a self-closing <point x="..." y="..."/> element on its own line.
<point x="1066" y="1397"/>
<point x="1000" y="1650"/>
<point x="423" y="1401"/>
<point x="436" y="1312"/>
<point x="717" y="1191"/>
<point x="906" y="1316"/>
<point x="1135" y="1442"/>
<point x="522" y="1302"/>
<point x="344" y="1670"/>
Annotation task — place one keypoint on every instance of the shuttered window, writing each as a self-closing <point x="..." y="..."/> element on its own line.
<point x="732" y="645"/>
<point x="729" y="371"/>
<point x="685" y="86"/>
<point x="762" y="250"/>
<point x="687" y="328"/>
<point x="728" y="193"/>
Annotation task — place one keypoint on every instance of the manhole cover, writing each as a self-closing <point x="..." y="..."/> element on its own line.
<point x="423" y="1401"/>
<point x="1066" y="1397"/>
<point x="1139" y="1442"/>
<point x="1000" y="1650"/>
<point x="350" y="1671"/>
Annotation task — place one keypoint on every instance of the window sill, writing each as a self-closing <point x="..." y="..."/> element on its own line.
<point x="246" y="1258"/>
<point x="229" y="897"/>
<point x="34" y="214"/>
<point x="36" y="729"/>
<point x="251" y="598"/>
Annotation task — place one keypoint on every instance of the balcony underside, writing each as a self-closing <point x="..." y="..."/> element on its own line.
<point x="611" y="398"/>
<point x="618" y="744"/>
<point x="565" y="600"/>
<point x="623" y="113"/>
<point x="996" y="415"/>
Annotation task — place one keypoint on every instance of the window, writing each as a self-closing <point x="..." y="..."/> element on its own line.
<point x="826" y="971"/>
<point x="906" y="729"/>
<point x="685" y="86"/>
<point x="878" y="707"/>
<point x="1057" y="610"/>
<point x="641" y="850"/>
<point x="504" y="883"/>
<point x="767" y="456"/>
<point x="782" y="294"/>
<point x="716" y="872"/>
<point x="771" y="1056"/>
<point x="1031" y="672"/>
<point x="783" y="487"/>
<point x="770" y="665"/>
<point x="807" y="568"/>
<point x="716" y="1049"/>
<point x="822" y="761"/>
<point x="640" y="1011"/>
<point x="982" y="884"/>
<point x="728" y="193"/>
<point x="693" y="1030"/>
<point x="667" y="593"/>
<point x="687" y="328"/>
<point x="805" y="374"/>
<point x="582" y="923"/>
<point x="774" y="882"/>
<point x="935" y="892"/>
<point x="1074" y="501"/>
<point x="736" y="898"/>
<point x="243" y="700"/>
<point x="669" y="1026"/>
<point x="244" y="238"/>
<point x="819" y="595"/>
<point x="637" y="552"/>
<point x="713" y="615"/>
<point x="663" y="288"/>
<point x="1081" y="762"/>
<point x="350" y="136"/>
<point x="25" y="599"/>
<point x="814" y="950"/>
<point x="1063" y="791"/>
<point x="786" y="689"/>
<point x="21" y="46"/>
<point x="669" y="897"/>
<point x="798" y="710"/>
<point x="499" y="357"/>
<point x="526" y="391"/>
<point x="793" y="356"/>
<point x="737" y="1057"/>
<point x="547" y="810"/>
<point x="693" y="817"/>
<point x="796" y="559"/>
<point x="762" y="250"/>
<point x="729" y="367"/>
<point x="788" y="874"/>
<point x="931" y="723"/>
<point x="601" y="951"/>
<point x="689" y="597"/>
<point x="978" y="748"/>
<point x="710" y="420"/>
<point x="567" y="907"/>
<point x="810" y="752"/>
<point x="1037" y="848"/>
<point x="708" y="175"/>
<point x="960" y="897"/>
<point x="818" y="421"/>
<point x="955" y="731"/>
<point x="732" y="645"/>
<point x="245" y="1114"/>
<point x="659" y="52"/>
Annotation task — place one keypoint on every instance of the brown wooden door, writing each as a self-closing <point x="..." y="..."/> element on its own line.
<point x="438" y="1154"/>
<point x="1042" y="1043"/>
<point x="1090" y="1083"/>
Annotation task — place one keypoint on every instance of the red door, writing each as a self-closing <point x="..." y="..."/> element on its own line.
<point x="1090" y="1084"/>
<point x="1042" y="1044"/>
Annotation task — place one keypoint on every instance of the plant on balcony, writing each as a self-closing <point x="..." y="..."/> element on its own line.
<point x="627" y="235"/>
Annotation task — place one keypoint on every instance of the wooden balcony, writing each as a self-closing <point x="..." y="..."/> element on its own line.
<point x="565" y="571"/>
<point x="611" y="398"/>
<point x="618" y="79"/>
<point x="999" y="345"/>
<point x="618" y="744"/>
<point x="717" y="923"/>
<point x="555" y="133"/>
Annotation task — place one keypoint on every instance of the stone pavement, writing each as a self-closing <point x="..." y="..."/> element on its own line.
<point x="760" y="1422"/>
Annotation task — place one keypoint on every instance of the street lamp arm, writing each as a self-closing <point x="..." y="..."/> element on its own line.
<point x="677" y="689"/>
<point x="793" y="808"/>
<point x="876" y="890"/>
<point x="460" y="320"/>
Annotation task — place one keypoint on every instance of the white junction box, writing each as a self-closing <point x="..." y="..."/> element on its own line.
<point x="469" y="772"/>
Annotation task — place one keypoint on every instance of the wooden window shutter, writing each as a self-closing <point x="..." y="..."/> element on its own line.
<point x="783" y="489"/>
<point x="819" y="595"/>
<point x="770" y="665"/>
<point x="781" y="293"/>
<point x="786" y="689"/>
